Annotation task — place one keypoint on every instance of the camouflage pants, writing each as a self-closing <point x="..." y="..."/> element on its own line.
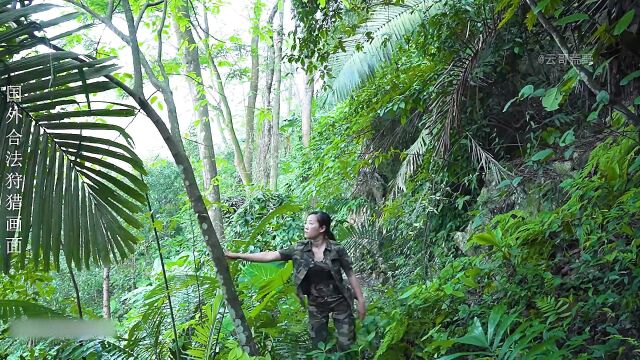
<point x="343" y="320"/>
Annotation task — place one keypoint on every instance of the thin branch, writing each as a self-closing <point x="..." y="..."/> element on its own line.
<point x="144" y="8"/>
<point x="163" y="71"/>
<point x="135" y="48"/>
<point x="109" y="24"/>
<point x="205" y="29"/>
<point x="164" y="273"/>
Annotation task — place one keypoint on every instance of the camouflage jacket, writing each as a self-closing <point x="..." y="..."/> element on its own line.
<point x="334" y="254"/>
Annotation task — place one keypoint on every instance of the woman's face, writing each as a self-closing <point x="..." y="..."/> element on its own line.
<point x="312" y="229"/>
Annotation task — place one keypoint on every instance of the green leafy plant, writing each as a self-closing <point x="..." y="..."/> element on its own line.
<point x="70" y="173"/>
<point x="498" y="342"/>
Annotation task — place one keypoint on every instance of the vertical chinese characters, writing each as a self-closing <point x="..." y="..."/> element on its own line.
<point x="14" y="177"/>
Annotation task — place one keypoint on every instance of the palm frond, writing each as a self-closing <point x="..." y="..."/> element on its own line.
<point x="484" y="160"/>
<point x="104" y="349"/>
<point x="446" y="106"/>
<point x="382" y="34"/>
<point x="204" y="344"/>
<point x="11" y="309"/>
<point x="79" y="189"/>
<point x="416" y="153"/>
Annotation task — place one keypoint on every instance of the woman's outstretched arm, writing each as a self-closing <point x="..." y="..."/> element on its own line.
<point x="265" y="256"/>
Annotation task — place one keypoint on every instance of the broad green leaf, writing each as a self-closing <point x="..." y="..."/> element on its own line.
<point x="57" y="211"/>
<point x="542" y="155"/>
<point x="49" y="199"/>
<point x="567" y="138"/>
<point x="475" y="335"/>
<point x="602" y="97"/>
<point x="29" y="172"/>
<point x="484" y="239"/>
<point x="572" y="18"/>
<point x="551" y="99"/>
<point x="627" y="79"/>
<point x="67" y="233"/>
<point x="10" y="16"/>
<point x="624" y="22"/>
<point x="282" y="209"/>
<point x="84" y="224"/>
<point x="11" y="309"/>
<point x="526" y="91"/>
<point x="409" y="292"/>
<point x="494" y="318"/>
<point x="75" y="220"/>
<point x="64" y="115"/>
<point x="55" y="94"/>
<point x="503" y="326"/>
<point x="39" y="201"/>
<point x="461" y="354"/>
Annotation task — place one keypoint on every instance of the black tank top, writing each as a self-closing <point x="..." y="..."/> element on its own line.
<point x="319" y="281"/>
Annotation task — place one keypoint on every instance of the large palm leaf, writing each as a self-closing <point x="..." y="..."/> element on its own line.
<point x="449" y="95"/>
<point x="11" y="309"/>
<point x="374" y="43"/>
<point x="78" y="185"/>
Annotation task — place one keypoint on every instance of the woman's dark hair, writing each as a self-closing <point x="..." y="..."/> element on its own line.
<point x="324" y="220"/>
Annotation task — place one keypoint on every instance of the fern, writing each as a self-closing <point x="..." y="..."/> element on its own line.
<point x="554" y="310"/>
<point x="205" y="336"/>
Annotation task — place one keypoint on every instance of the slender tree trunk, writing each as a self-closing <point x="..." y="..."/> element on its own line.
<point x="262" y="165"/>
<point x="106" y="297"/>
<point x="226" y="109"/>
<point x="219" y="117"/>
<point x="191" y="59"/>
<point x="275" y="130"/>
<point x="253" y="92"/>
<point x="251" y="104"/>
<point x="135" y="50"/>
<point x="307" y="100"/>
<point x="242" y="329"/>
<point x="76" y="290"/>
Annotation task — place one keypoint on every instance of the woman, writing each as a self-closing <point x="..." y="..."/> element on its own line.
<point x="318" y="263"/>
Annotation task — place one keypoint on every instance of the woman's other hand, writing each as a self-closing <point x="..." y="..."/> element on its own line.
<point x="230" y="255"/>
<point x="362" y="310"/>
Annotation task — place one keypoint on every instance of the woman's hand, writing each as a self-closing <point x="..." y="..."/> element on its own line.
<point x="362" y="309"/>
<point x="230" y="255"/>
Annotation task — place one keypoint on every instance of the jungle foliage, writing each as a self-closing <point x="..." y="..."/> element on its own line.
<point x="489" y="199"/>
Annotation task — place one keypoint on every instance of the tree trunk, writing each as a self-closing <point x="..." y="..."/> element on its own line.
<point x="307" y="100"/>
<point x="219" y="119"/>
<point x="242" y="329"/>
<point x="106" y="297"/>
<point x="262" y="165"/>
<point x="237" y="150"/>
<point x="275" y="130"/>
<point x="191" y="59"/>
<point x="253" y="94"/>
<point x="243" y="332"/>
<point x="75" y="289"/>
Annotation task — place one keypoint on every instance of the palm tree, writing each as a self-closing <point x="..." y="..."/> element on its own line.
<point x="77" y="186"/>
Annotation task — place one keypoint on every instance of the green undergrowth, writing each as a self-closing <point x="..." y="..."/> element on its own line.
<point x="556" y="284"/>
